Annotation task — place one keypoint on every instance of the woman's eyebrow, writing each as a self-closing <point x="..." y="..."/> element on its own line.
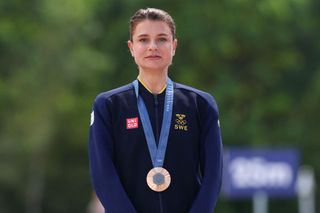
<point x="142" y="35"/>
<point x="163" y="34"/>
<point x="146" y="35"/>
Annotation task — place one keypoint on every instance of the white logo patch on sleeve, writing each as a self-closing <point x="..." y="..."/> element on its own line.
<point x="218" y="123"/>
<point x="92" y="118"/>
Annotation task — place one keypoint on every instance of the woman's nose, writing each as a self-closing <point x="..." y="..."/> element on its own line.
<point x="153" y="45"/>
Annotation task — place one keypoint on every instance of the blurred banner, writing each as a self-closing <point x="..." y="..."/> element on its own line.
<point x="251" y="171"/>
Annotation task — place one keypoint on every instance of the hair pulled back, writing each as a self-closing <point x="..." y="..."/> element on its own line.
<point x="152" y="14"/>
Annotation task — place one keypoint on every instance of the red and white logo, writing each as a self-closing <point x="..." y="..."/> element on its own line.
<point x="132" y="123"/>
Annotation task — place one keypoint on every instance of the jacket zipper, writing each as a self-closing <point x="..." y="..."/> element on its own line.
<point x="156" y="103"/>
<point x="156" y="110"/>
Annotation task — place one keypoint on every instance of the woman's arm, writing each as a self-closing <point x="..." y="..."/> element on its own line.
<point x="211" y="160"/>
<point x="104" y="176"/>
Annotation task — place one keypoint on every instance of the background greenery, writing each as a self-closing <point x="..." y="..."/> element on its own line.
<point x="260" y="59"/>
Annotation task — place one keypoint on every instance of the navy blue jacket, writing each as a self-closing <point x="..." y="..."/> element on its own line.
<point x="120" y="159"/>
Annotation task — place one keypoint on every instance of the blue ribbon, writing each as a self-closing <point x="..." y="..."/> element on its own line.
<point x="157" y="154"/>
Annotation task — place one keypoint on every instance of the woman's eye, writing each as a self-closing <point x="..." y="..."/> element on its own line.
<point x="163" y="39"/>
<point x="143" y="40"/>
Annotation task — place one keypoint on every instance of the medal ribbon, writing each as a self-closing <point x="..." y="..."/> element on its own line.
<point x="157" y="154"/>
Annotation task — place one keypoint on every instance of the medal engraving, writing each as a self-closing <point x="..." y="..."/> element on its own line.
<point x="158" y="179"/>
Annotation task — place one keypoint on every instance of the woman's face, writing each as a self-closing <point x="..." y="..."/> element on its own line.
<point x="152" y="45"/>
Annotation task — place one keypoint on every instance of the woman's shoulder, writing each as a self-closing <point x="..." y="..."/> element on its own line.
<point x="185" y="88"/>
<point x="204" y="100"/>
<point x="116" y="91"/>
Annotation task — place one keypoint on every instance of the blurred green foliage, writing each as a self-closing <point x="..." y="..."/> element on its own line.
<point x="260" y="59"/>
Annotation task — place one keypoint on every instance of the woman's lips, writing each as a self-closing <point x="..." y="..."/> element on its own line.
<point x="153" y="57"/>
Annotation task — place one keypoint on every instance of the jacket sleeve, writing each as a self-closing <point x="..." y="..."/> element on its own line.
<point x="211" y="160"/>
<point x="104" y="177"/>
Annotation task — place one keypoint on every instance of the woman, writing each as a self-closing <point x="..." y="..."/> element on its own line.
<point x="155" y="145"/>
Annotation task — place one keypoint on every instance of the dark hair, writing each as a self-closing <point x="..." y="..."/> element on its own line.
<point x="154" y="15"/>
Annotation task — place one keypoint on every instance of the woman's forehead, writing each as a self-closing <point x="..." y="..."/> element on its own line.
<point x="149" y="27"/>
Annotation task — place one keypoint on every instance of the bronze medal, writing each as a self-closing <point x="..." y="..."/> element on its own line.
<point x="158" y="179"/>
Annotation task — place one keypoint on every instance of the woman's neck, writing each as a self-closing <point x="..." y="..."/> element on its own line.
<point x="155" y="81"/>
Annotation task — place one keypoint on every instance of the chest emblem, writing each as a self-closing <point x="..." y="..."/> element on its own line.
<point x="132" y="123"/>
<point x="180" y="122"/>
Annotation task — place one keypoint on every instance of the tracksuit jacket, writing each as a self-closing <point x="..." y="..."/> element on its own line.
<point x="120" y="160"/>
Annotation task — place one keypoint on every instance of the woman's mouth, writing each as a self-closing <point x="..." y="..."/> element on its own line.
<point x="153" y="57"/>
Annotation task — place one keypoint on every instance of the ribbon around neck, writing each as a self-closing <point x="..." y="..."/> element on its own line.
<point x="157" y="154"/>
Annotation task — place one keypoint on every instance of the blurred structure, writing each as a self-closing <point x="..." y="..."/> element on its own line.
<point x="305" y="187"/>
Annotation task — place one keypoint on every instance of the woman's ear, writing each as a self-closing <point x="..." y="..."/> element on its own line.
<point x="174" y="46"/>
<point x="130" y="46"/>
